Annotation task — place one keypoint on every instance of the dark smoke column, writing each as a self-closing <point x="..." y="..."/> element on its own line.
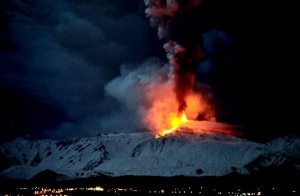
<point x="169" y="17"/>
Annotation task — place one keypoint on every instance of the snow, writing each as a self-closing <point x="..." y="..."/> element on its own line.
<point x="181" y="153"/>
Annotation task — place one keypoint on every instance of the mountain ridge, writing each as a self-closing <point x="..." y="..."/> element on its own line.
<point x="183" y="153"/>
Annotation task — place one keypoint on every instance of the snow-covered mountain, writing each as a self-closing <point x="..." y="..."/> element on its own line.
<point x="182" y="153"/>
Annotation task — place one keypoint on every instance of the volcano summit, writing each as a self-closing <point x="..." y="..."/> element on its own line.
<point x="181" y="153"/>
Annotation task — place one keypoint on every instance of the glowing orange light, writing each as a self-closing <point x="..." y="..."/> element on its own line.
<point x="161" y="115"/>
<point x="175" y="121"/>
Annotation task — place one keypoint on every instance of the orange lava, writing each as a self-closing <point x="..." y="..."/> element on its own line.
<point x="167" y="120"/>
<point x="161" y="116"/>
<point x="175" y="121"/>
<point x="202" y="127"/>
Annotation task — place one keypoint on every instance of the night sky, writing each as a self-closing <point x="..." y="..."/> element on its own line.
<point x="56" y="59"/>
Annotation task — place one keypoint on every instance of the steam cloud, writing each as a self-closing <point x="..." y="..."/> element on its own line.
<point x="63" y="67"/>
<point x="148" y="96"/>
<point x="182" y="54"/>
<point x="63" y="54"/>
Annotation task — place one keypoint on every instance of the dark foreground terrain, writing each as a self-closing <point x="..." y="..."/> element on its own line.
<point x="234" y="184"/>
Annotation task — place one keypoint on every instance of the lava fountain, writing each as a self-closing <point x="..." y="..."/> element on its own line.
<point x="162" y="115"/>
<point x="176" y="103"/>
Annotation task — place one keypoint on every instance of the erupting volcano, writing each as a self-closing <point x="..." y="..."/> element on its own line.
<point x="163" y="116"/>
<point x="179" y="103"/>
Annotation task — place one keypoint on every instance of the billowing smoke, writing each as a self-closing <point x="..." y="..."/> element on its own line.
<point x="182" y="54"/>
<point x="66" y="59"/>
<point x="149" y="99"/>
<point x="61" y="55"/>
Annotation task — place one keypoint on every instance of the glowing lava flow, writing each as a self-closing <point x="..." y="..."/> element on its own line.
<point x="175" y="120"/>
<point x="198" y="117"/>
<point x="204" y="126"/>
<point x="163" y="116"/>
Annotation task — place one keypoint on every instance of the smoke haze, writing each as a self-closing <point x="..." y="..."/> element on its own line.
<point x="148" y="98"/>
<point x="76" y="68"/>
<point x="182" y="55"/>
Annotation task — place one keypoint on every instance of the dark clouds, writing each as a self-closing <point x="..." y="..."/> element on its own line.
<point x="57" y="57"/>
<point x="63" y="54"/>
<point x="256" y="87"/>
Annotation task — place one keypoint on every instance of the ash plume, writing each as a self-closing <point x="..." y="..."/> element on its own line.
<point x="148" y="99"/>
<point x="183" y="51"/>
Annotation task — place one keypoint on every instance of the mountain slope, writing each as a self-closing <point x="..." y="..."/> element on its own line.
<point x="182" y="153"/>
